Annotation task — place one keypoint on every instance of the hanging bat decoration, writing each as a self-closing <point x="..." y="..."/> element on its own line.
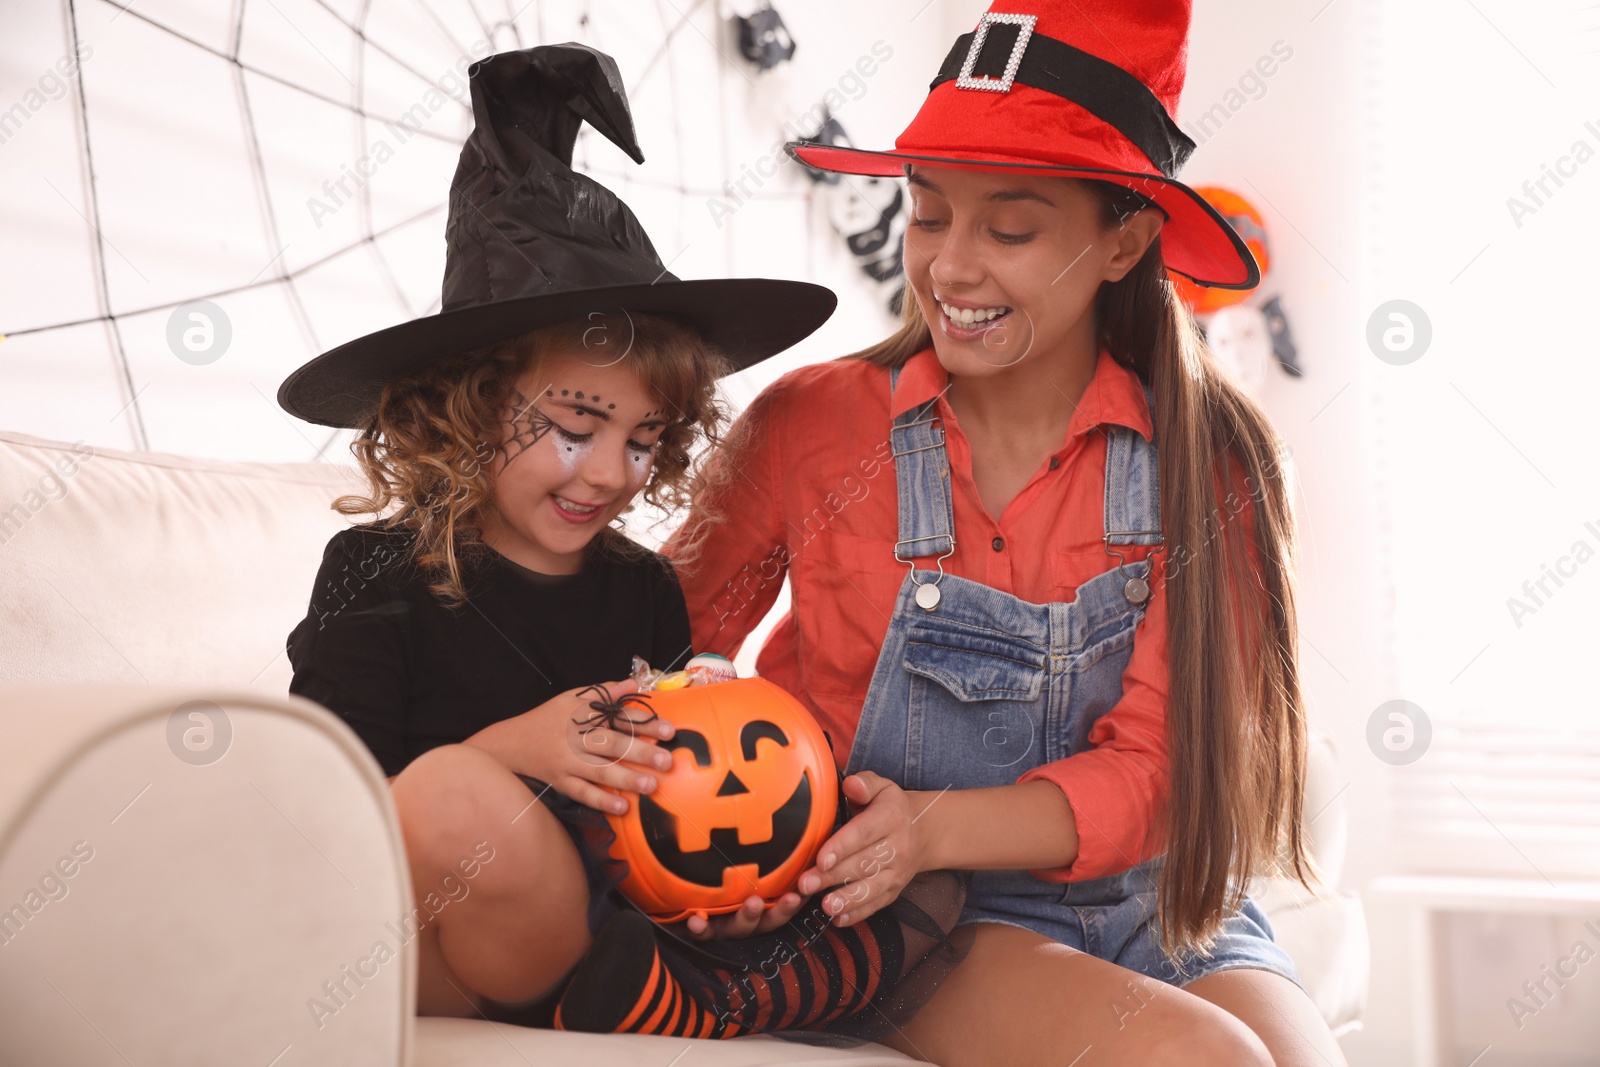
<point x="868" y="212"/>
<point x="1282" y="343"/>
<point x="763" y="38"/>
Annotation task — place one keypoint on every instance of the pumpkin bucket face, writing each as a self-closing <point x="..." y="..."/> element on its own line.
<point x="751" y="796"/>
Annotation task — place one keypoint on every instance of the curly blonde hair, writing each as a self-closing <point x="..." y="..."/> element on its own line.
<point x="426" y="448"/>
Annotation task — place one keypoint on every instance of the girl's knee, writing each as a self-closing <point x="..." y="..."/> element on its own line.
<point x="453" y="793"/>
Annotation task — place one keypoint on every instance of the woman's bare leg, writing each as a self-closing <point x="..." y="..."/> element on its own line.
<point x="1021" y="998"/>
<point x="1278" y="1011"/>
<point x="519" y="924"/>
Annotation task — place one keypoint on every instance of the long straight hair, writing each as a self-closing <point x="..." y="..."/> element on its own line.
<point x="1236" y="729"/>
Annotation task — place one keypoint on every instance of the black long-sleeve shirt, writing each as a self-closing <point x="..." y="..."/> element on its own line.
<point x="409" y="674"/>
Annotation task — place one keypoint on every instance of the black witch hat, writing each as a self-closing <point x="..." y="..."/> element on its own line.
<point x="531" y="242"/>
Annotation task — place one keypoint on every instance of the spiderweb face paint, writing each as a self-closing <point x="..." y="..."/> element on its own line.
<point x="525" y="425"/>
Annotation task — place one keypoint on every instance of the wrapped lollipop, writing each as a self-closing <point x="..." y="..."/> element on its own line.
<point x="712" y="667"/>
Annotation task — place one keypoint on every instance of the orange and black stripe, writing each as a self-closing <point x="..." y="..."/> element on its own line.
<point x="626" y="985"/>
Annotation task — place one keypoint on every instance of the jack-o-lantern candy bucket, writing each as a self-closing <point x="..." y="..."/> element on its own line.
<point x="751" y="796"/>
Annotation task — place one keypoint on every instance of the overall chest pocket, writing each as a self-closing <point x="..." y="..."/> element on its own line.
<point x="976" y="714"/>
<point x="974" y="663"/>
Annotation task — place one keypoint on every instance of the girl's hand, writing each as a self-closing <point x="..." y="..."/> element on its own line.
<point x="578" y="749"/>
<point x="873" y="856"/>
<point x="751" y="918"/>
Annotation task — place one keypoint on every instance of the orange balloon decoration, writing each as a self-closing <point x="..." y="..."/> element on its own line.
<point x="751" y="796"/>
<point x="1244" y="218"/>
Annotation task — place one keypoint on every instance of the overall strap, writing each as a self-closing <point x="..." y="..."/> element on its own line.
<point x="1133" y="486"/>
<point x="927" y="513"/>
<point x="1133" y="501"/>
<point x="922" y="480"/>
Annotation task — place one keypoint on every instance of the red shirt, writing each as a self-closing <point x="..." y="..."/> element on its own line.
<point x="816" y="499"/>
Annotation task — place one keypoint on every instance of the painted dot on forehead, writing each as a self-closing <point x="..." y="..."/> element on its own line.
<point x="611" y="405"/>
<point x="563" y="392"/>
<point x="579" y="394"/>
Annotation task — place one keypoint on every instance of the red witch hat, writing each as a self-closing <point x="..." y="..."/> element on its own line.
<point x="1077" y="88"/>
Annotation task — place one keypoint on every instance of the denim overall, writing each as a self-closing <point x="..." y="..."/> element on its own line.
<point x="974" y="686"/>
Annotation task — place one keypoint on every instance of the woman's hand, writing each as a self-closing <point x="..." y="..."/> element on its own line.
<point x="874" y="855"/>
<point x="578" y="748"/>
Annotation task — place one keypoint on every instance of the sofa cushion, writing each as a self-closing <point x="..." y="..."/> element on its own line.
<point x="141" y="566"/>
<point x="475" y="1043"/>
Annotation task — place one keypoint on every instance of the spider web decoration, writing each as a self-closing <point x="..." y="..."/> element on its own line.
<point x="284" y="164"/>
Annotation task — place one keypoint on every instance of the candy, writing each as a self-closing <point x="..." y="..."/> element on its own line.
<point x="705" y="669"/>
<point x="719" y="668"/>
<point x="676" y="680"/>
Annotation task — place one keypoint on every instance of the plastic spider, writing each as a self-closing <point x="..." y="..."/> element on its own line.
<point x="607" y="710"/>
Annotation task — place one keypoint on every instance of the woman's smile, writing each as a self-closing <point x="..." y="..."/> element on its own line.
<point x="968" y="321"/>
<point x="1002" y="262"/>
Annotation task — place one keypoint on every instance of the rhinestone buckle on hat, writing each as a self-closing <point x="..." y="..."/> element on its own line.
<point x="1002" y="84"/>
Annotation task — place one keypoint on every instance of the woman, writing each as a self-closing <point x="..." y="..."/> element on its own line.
<point x="1046" y="651"/>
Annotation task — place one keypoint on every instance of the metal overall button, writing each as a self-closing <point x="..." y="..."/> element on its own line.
<point x="927" y="594"/>
<point x="1135" y="589"/>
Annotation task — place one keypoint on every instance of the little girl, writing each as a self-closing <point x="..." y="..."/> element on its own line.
<point x="478" y="635"/>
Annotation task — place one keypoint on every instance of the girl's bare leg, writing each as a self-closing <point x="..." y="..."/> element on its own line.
<point x="1021" y="998"/>
<point x="514" y="929"/>
<point x="1278" y="1011"/>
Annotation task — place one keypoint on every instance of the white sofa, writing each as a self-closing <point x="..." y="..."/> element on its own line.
<point x="196" y="868"/>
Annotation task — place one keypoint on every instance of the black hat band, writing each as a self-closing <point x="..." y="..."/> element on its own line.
<point x="1102" y="88"/>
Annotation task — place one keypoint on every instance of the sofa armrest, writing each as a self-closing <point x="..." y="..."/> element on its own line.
<point x="197" y="877"/>
<point x="1327" y="819"/>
